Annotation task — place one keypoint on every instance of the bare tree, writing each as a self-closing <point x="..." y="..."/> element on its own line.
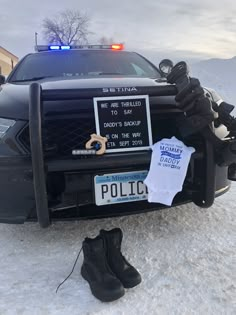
<point x="66" y="28"/>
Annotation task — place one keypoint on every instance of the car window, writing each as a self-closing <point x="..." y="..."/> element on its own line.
<point x="83" y="63"/>
<point x="138" y="70"/>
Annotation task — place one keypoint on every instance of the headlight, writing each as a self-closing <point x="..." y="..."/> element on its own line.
<point x="5" y="124"/>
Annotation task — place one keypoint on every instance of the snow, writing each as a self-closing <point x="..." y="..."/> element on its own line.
<point x="186" y="256"/>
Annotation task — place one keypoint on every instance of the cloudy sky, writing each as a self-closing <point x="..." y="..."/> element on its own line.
<point x="164" y="28"/>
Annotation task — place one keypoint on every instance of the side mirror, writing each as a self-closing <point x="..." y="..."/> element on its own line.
<point x="2" y="79"/>
<point x="165" y="67"/>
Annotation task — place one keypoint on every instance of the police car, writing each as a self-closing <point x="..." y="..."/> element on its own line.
<point x="76" y="127"/>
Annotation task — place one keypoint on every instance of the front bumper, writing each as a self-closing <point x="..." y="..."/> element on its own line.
<point x="17" y="191"/>
<point x="72" y="180"/>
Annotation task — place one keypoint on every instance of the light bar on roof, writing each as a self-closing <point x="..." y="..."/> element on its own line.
<point x="68" y="47"/>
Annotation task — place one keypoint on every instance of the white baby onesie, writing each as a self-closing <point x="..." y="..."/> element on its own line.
<point x="169" y="165"/>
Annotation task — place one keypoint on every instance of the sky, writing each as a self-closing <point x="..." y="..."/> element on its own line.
<point x="176" y="29"/>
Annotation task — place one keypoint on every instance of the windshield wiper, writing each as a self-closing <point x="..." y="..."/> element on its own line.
<point x="32" y="79"/>
<point x="110" y="73"/>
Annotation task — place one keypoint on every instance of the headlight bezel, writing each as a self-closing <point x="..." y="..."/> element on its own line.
<point x="5" y="125"/>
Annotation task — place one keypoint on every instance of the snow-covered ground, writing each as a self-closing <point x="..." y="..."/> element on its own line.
<point x="186" y="255"/>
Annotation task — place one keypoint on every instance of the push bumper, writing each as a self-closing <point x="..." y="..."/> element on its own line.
<point x="25" y="180"/>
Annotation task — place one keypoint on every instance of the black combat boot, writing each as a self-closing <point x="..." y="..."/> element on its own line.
<point x="95" y="269"/>
<point x="127" y="274"/>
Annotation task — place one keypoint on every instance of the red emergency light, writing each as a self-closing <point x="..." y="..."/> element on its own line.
<point x="117" y="46"/>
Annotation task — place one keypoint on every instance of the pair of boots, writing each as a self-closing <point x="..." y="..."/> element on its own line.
<point x="105" y="268"/>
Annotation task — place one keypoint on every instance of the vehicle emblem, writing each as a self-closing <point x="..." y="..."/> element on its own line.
<point x="95" y="146"/>
<point x="119" y="89"/>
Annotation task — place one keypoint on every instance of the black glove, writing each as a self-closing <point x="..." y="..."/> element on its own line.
<point x="199" y="113"/>
<point x="191" y="98"/>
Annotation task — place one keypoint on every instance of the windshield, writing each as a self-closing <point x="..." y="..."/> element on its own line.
<point x="79" y="63"/>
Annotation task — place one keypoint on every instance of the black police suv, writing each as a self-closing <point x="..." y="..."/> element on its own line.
<point x="76" y="126"/>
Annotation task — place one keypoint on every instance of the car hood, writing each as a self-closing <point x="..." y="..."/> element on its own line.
<point x="14" y="97"/>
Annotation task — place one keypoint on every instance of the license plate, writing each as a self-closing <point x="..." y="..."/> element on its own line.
<point x="120" y="187"/>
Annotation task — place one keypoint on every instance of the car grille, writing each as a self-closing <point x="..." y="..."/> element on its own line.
<point x="61" y="136"/>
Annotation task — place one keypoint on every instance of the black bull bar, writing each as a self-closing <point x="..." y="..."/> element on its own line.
<point x="37" y="96"/>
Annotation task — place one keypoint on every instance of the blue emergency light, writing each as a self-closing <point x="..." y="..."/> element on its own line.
<point x="65" y="47"/>
<point x="54" y="47"/>
<point x="57" y="47"/>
